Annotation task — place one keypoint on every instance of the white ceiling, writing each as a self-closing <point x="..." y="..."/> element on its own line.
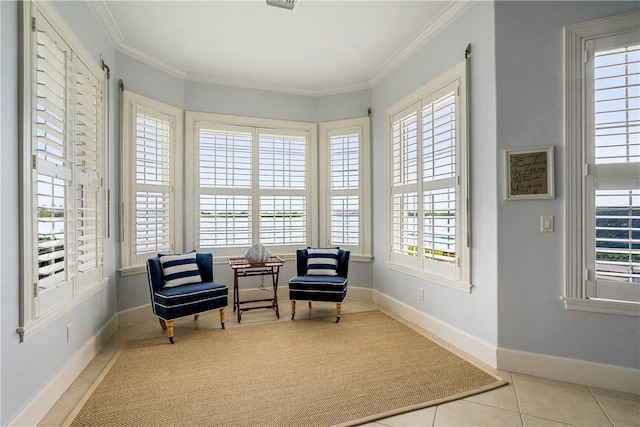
<point x="319" y="48"/>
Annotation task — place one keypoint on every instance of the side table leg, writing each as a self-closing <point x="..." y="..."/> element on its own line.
<point x="275" y="292"/>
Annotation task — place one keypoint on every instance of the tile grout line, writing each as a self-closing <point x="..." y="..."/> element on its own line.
<point x="515" y="392"/>
<point x="435" y="414"/>
<point x="600" y="406"/>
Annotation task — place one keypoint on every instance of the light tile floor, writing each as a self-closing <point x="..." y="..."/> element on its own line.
<point x="526" y="401"/>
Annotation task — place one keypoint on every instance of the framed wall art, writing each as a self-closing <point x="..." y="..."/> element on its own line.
<point x="529" y="173"/>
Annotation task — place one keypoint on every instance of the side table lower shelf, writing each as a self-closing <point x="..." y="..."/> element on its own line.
<point x="243" y="268"/>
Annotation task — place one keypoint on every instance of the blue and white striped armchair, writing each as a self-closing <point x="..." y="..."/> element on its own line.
<point x="182" y="285"/>
<point x="322" y="276"/>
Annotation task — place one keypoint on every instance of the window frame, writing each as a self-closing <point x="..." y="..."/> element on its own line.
<point x="193" y="122"/>
<point x="361" y="126"/>
<point x="456" y="75"/>
<point x="576" y="296"/>
<point x="130" y="261"/>
<point x="78" y="286"/>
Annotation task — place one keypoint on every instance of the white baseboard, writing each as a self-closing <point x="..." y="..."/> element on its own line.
<point x="355" y="292"/>
<point x="35" y="410"/>
<point x="570" y="370"/>
<point x="453" y="337"/>
<point x="134" y="315"/>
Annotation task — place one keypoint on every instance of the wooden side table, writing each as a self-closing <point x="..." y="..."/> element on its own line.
<point x="243" y="268"/>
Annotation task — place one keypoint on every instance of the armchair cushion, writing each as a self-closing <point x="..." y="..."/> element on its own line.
<point x="322" y="261"/>
<point x="184" y="300"/>
<point x="179" y="269"/>
<point x="318" y="288"/>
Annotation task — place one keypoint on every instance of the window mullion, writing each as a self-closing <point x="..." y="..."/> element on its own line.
<point x="255" y="186"/>
<point x="420" y="212"/>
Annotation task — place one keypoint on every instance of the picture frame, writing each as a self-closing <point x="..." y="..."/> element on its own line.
<point x="529" y="173"/>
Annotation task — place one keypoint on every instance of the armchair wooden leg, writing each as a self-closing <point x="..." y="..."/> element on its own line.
<point x="163" y="324"/>
<point x="196" y="317"/>
<point x="293" y="309"/>
<point x="309" y="304"/>
<point x="170" y="330"/>
<point x="222" y="316"/>
<point x="338" y="311"/>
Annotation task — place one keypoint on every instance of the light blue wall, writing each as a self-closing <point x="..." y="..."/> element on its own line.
<point x="27" y="367"/>
<point x="213" y="98"/>
<point x="531" y="315"/>
<point x="343" y="105"/>
<point x="149" y="81"/>
<point x="475" y="313"/>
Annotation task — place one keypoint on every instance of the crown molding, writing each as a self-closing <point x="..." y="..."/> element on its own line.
<point x="154" y="61"/>
<point x="352" y="87"/>
<point x="250" y="84"/>
<point x="105" y="19"/>
<point x="428" y="32"/>
<point x="102" y="13"/>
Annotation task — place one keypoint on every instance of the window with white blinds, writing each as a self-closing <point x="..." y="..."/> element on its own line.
<point x="344" y="181"/>
<point x="151" y="188"/>
<point x="427" y="143"/>
<point x="613" y="157"/>
<point x="64" y="226"/>
<point x="89" y="238"/>
<point x="602" y="72"/>
<point x="250" y="184"/>
<point x="225" y="168"/>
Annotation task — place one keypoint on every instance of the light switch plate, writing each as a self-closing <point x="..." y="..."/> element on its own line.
<point x="546" y="224"/>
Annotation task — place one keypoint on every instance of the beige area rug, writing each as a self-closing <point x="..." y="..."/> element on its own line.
<point x="301" y="373"/>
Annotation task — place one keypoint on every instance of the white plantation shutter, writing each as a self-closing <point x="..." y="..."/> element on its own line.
<point x="89" y="129"/>
<point x="53" y="169"/>
<point x="345" y="220"/>
<point x="152" y="182"/>
<point x="404" y="156"/>
<point x="225" y="220"/>
<point x="250" y="183"/>
<point x="64" y="150"/>
<point x="428" y="180"/>
<point x="283" y="220"/>
<point x="613" y="159"/>
<point x="225" y="180"/>
<point x="282" y="159"/>
<point x="225" y="158"/>
<point x="344" y="187"/>
<point x="404" y="162"/>
<point x="405" y="224"/>
<point x="345" y="197"/>
<point x="439" y="177"/>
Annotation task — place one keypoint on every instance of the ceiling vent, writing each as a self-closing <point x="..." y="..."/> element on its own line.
<point x="285" y="4"/>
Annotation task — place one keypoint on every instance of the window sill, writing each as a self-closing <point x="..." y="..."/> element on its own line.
<point x="47" y="319"/>
<point x="602" y="306"/>
<point x="438" y="280"/>
<point x="292" y="257"/>
<point x="130" y="271"/>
